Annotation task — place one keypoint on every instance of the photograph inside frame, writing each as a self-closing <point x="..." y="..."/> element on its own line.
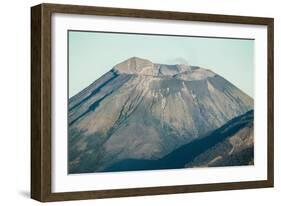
<point x="151" y="102"/>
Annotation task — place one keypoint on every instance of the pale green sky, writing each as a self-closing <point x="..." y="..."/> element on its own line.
<point x="91" y="54"/>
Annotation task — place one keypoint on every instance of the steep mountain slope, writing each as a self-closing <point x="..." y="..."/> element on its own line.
<point x="229" y="145"/>
<point x="142" y="110"/>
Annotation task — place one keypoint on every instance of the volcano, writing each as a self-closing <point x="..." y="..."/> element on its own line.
<point x="145" y="111"/>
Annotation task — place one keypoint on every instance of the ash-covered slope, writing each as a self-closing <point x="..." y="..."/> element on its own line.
<point x="230" y="145"/>
<point x="142" y="110"/>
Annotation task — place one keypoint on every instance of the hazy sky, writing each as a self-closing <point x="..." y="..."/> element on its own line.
<point x="91" y="54"/>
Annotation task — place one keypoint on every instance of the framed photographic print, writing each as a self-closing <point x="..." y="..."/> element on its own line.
<point x="130" y="102"/>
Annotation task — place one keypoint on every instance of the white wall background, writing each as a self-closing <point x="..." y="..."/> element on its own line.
<point x="15" y="102"/>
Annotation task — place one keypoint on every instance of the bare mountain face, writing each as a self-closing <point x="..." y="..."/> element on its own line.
<point x="142" y="110"/>
<point x="230" y="145"/>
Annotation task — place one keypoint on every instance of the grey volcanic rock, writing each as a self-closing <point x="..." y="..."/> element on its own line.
<point x="140" y="66"/>
<point x="236" y="149"/>
<point x="230" y="145"/>
<point x="142" y="110"/>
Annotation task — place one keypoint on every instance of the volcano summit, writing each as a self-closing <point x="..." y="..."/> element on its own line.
<point x="142" y="115"/>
